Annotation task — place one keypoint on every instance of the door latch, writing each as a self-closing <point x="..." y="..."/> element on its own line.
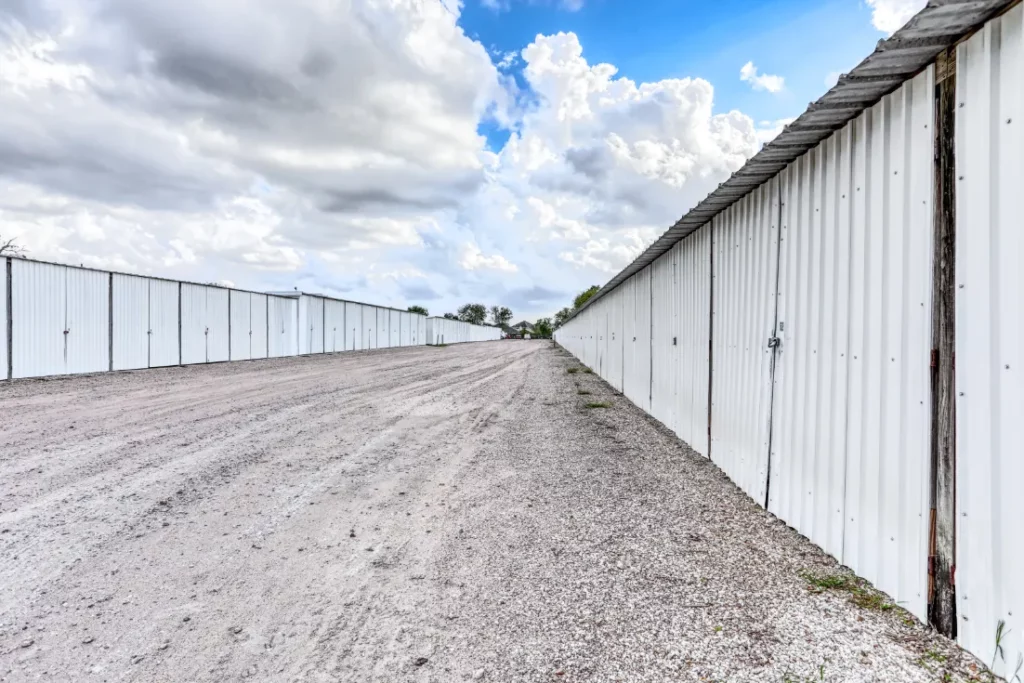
<point x="773" y="342"/>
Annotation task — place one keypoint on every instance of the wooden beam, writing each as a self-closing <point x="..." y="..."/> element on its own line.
<point x="942" y="607"/>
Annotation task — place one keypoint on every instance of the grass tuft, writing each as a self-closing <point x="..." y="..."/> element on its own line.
<point x="599" y="405"/>
<point x="572" y="371"/>
<point x="588" y="371"/>
<point x="583" y="392"/>
<point x="861" y="593"/>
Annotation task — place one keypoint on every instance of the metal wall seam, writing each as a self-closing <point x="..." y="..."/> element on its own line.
<point x="258" y="326"/>
<point x="382" y="337"/>
<point x="989" y="346"/>
<point x="130" y="334"/>
<point x="241" y="325"/>
<point x="39" y="314"/>
<point x="745" y="269"/>
<point x="5" y="332"/>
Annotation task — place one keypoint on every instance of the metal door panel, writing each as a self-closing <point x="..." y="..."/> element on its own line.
<point x="164" y="341"/>
<point x="39" y="313"/>
<point x="258" y="325"/>
<point x="88" y="321"/>
<point x="217" y="320"/>
<point x="193" y="324"/>
<point x="131" y="322"/>
<point x="315" y="322"/>
<point x="241" y="322"/>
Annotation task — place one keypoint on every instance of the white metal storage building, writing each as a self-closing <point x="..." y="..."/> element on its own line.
<point x="798" y="325"/>
<point x="60" y="319"/>
<point x="446" y="331"/>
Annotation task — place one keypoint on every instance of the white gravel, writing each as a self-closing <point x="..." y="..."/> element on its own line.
<point x="408" y="515"/>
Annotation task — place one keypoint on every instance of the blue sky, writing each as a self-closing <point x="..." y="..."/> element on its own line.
<point x="649" y="40"/>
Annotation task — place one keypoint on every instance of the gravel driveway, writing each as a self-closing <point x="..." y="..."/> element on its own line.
<point x="421" y="514"/>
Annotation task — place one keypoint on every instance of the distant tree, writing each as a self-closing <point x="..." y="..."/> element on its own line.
<point x="584" y="296"/>
<point x="562" y="316"/>
<point x="11" y="247"/>
<point x="473" y="313"/>
<point x="451" y="316"/>
<point x="418" y="309"/>
<point x="500" y="315"/>
<point x="542" y="328"/>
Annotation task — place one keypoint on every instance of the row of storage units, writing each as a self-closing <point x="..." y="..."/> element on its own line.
<point x="331" y="325"/>
<point x="447" y="331"/>
<point x="65" y="320"/>
<point x="790" y="340"/>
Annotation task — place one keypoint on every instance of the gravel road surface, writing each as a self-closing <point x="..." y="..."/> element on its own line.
<point x="422" y="514"/>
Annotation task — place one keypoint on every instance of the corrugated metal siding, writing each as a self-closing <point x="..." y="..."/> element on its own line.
<point x="258" y="325"/>
<point x="355" y="334"/>
<point x="642" y="333"/>
<point x="369" y="327"/>
<point x="381" y="340"/>
<point x="164" y="347"/>
<point x="990" y="339"/>
<point x="746" y="249"/>
<point x="88" y="321"/>
<point x="131" y="322"/>
<point x="315" y="318"/>
<point x="334" y="326"/>
<point x="3" y="318"/>
<point x="241" y="325"/>
<point x="664" y="338"/>
<point x="39" y="314"/>
<point x="406" y="321"/>
<point x="694" y="329"/>
<point x="422" y="331"/>
<point x="852" y="410"/>
<point x="193" y="324"/>
<point x="283" y="326"/>
<point x="613" y="366"/>
<point x="218" y="320"/>
<point x="394" y="328"/>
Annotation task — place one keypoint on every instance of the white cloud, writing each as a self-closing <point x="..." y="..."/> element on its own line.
<point x="508" y="60"/>
<point x="474" y="259"/>
<point x="773" y="84"/>
<point x="343" y="156"/>
<point x="888" y="16"/>
<point x="769" y="130"/>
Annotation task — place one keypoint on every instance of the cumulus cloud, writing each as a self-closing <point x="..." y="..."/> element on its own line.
<point x="769" y="130"/>
<point x="474" y="259"/>
<point x="343" y="155"/>
<point x="888" y="16"/>
<point x="749" y="74"/>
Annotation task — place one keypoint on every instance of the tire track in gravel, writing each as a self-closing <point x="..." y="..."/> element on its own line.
<point x="173" y="457"/>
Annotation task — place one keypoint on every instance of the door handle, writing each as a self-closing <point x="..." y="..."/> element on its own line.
<point x="773" y="342"/>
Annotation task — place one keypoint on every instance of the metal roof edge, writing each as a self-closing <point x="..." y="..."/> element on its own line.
<point x="895" y="60"/>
